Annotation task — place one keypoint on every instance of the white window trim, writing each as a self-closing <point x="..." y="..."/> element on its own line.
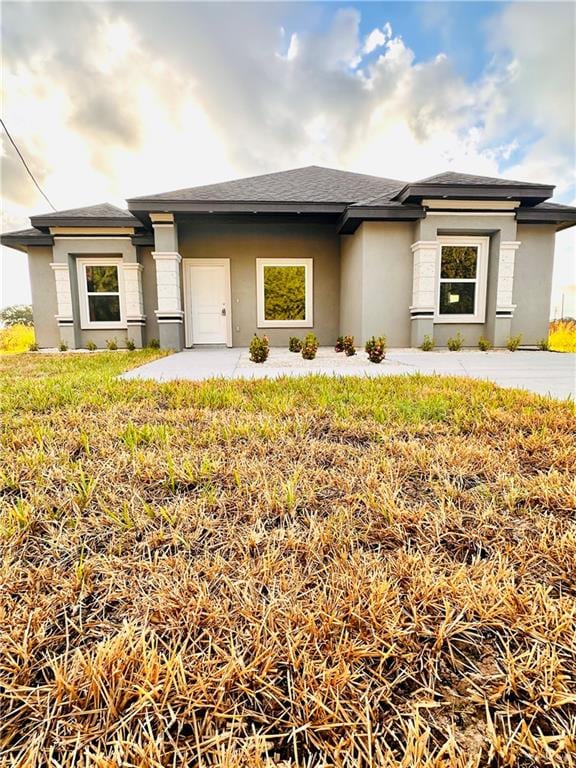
<point x="85" y="322"/>
<point x="479" y="316"/>
<point x="308" y="321"/>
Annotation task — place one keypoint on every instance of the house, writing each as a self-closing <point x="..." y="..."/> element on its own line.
<point x="310" y="249"/>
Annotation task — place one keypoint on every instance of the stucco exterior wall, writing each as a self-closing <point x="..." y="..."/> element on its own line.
<point x="351" y="284"/>
<point x="445" y="223"/>
<point x="243" y="240"/>
<point x="498" y="227"/>
<point x="387" y="292"/>
<point x="533" y="281"/>
<point x="44" y="302"/>
<point x="149" y="292"/>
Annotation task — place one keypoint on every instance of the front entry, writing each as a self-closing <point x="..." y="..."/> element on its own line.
<point x="207" y="301"/>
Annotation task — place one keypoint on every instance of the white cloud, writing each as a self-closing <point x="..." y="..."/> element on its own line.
<point x="108" y="103"/>
<point x="375" y="39"/>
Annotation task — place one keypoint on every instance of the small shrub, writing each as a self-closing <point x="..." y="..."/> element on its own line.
<point x="454" y="343"/>
<point x="349" y="347"/>
<point x="91" y="346"/>
<point x="111" y="344"/>
<point x="130" y="345"/>
<point x="259" y="349"/>
<point x="376" y="349"/>
<point x="339" y="346"/>
<point x="154" y="343"/>
<point x="514" y="342"/>
<point x="294" y="345"/>
<point x="484" y="344"/>
<point x="33" y="347"/>
<point x="543" y="345"/>
<point x="428" y="344"/>
<point x="63" y="347"/>
<point x="309" y="346"/>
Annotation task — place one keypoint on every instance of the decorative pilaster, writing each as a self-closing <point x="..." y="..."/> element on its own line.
<point x="65" y="316"/>
<point x="169" y="313"/>
<point x="423" y="290"/>
<point x="506" y="277"/>
<point x="504" y="292"/>
<point x="134" y="301"/>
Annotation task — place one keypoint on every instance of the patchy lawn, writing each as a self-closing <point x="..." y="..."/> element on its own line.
<point x="316" y="572"/>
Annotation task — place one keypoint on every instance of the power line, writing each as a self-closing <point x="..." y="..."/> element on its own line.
<point x="26" y="164"/>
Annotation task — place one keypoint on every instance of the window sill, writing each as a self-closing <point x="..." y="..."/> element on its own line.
<point x="103" y="327"/>
<point x="460" y="319"/>
<point x="285" y="324"/>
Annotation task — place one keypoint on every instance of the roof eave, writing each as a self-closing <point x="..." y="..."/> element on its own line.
<point x="561" y="218"/>
<point x="23" y="242"/>
<point x="354" y="216"/>
<point x="45" y="222"/>
<point x="231" y="206"/>
<point x="530" y="194"/>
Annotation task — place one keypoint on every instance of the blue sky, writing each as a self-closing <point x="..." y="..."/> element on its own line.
<point x="111" y="100"/>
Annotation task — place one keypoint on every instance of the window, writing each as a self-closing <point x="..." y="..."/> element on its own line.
<point x="284" y="293"/>
<point x="101" y="295"/>
<point x="462" y="273"/>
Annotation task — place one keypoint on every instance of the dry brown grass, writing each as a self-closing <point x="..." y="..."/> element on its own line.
<point x="309" y="572"/>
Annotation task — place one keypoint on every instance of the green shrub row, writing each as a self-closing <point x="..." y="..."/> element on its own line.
<point x="455" y="343"/>
<point x="111" y="344"/>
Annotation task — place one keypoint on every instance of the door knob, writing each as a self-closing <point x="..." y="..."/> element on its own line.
<point x="223" y="311"/>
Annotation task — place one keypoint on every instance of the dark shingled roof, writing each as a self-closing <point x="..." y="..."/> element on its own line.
<point x="32" y="232"/>
<point x="23" y="237"/>
<point x="450" y="177"/>
<point x="101" y="213"/>
<point x="312" y="184"/>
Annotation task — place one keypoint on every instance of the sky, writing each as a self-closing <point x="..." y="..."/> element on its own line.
<point x="112" y="100"/>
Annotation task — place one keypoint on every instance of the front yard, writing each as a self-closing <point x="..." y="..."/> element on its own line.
<point x="306" y="571"/>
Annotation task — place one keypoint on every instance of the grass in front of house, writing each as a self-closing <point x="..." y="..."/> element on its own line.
<point x="345" y="572"/>
<point x="562" y="337"/>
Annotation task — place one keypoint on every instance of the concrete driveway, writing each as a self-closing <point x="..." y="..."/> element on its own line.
<point x="546" y="373"/>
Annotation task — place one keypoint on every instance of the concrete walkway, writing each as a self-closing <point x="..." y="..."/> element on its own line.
<point x="546" y="373"/>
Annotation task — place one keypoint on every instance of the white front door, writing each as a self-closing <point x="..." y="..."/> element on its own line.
<point x="207" y="284"/>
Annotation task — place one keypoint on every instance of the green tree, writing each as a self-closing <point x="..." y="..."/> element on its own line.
<point x="17" y="314"/>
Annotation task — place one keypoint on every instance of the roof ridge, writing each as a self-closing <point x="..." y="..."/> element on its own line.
<point x="263" y="177"/>
<point x="94" y="206"/>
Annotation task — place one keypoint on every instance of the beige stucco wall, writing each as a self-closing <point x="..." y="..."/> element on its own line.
<point x="149" y="293"/>
<point x="351" y="284"/>
<point x="376" y="282"/>
<point x="43" y="296"/>
<point x="533" y="281"/>
<point x="362" y="282"/>
<point x="243" y="240"/>
<point x="387" y="281"/>
<point x="497" y="227"/>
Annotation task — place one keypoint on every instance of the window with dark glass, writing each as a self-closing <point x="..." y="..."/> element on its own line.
<point x="458" y="279"/>
<point x="103" y="291"/>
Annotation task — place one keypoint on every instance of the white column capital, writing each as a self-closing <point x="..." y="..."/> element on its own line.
<point x="166" y="256"/>
<point x="420" y="245"/>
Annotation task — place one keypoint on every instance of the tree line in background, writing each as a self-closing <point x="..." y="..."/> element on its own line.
<point x="17" y="314"/>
